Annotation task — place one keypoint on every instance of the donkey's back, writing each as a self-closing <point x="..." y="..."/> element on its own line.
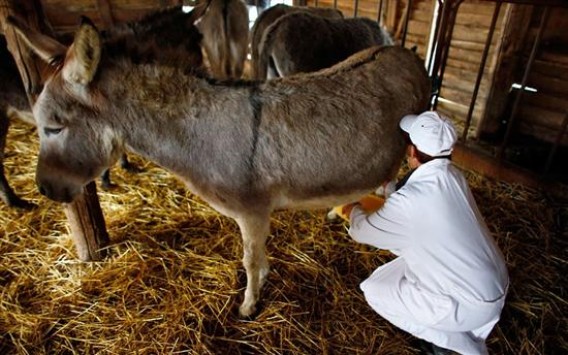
<point x="324" y="42"/>
<point x="271" y="15"/>
<point x="326" y="137"/>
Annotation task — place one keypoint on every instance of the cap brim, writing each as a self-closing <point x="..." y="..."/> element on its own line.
<point x="407" y="122"/>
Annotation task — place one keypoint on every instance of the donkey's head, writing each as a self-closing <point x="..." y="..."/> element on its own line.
<point x="76" y="145"/>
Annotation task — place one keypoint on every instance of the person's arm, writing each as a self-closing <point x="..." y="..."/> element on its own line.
<point x="387" y="228"/>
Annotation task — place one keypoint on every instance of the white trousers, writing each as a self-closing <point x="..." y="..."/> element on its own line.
<point x="449" y="322"/>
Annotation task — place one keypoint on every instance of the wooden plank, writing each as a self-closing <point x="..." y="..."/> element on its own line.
<point x="541" y="117"/>
<point x="70" y="6"/>
<point x="84" y="214"/>
<point x="457" y="110"/>
<point x="105" y="11"/>
<point x="541" y="99"/>
<point x="143" y="4"/>
<point x="477" y="7"/>
<point x="549" y="84"/>
<point x="475" y="160"/>
<point x="69" y="19"/>
<point x="552" y="69"/>
<point x="541" y="133"/>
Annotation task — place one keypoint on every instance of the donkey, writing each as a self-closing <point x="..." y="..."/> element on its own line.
<point x="166" y="36"/>
<point x="270" y="15"/>
<point x="322" y="43"/>
<point x="246" y="147"/>
<point x="225" y="29"/>
<point x="13" y="104"/>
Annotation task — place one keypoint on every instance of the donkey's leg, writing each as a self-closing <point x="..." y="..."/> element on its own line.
<point x="254" y="230"/>
<point x="106" y="184"/>
<point x="127" y="165"/>
<point x="6" y="193"/>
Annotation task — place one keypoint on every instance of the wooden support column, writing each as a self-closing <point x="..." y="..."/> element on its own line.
<point x="85" y="216"/>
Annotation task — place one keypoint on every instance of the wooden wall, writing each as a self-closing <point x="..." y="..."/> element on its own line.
<point x="64" y="15"/>
<point x="541" y="114"/>
<point x="469" y="37"/>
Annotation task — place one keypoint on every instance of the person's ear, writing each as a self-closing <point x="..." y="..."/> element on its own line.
<point x="412" y="150"/>
<point x="413" y="161"/>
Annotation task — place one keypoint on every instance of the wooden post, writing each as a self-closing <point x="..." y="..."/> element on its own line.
<point x="85" y="216"/>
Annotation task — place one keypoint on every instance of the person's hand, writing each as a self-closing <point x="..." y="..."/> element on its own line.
<point x="346" y="209"/>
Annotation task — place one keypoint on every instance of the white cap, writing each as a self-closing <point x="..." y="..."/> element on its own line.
<point x="430" y="133"/>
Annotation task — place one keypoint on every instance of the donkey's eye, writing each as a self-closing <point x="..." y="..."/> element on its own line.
<point x="52" y="131"/>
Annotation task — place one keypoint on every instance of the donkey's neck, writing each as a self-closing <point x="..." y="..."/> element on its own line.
<point x="186" y="124"/>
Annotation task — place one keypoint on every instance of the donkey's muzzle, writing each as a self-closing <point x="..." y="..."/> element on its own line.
<point x="62" y="194"/>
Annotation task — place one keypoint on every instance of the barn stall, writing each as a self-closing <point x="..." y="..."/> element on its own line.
<point x="172" y="279"/>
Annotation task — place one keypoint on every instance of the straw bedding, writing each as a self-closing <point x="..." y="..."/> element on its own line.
<point x="173" y="280"/>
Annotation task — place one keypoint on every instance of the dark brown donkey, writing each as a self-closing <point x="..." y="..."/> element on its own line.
<point x="270" y="15"/>
<point x="247" y="148"/>
<point x="13" y="104"/>
<point x="166" y="36"/>
<point x="301" y="43"/>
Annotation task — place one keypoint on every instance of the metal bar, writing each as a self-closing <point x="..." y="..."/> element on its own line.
<point x="335" y="4"/>
<point x="356" y="8"/>
<point x="556" y="144"/>
<point x="447" y="44"/>
<point x="434" y="51"/>
<point x="515" y="108"/>
<point x="379" y="12"/>
<point x="441" y="30"/>
<point x="481" y="69"/>
<point x="406" y="18"/>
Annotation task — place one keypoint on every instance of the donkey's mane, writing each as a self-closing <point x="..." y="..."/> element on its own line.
<point x="167" y="37"/>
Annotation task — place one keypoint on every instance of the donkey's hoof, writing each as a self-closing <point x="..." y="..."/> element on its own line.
<point x="247" y="310"/>
<point x="131" y="168"/>
<point x="108" y="185"/>
<point x="22" y="204"/>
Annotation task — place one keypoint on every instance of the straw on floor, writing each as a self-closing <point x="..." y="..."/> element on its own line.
<point x="173" y="280"/>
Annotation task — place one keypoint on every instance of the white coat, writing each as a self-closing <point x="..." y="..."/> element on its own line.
<point x="449" y="282"/>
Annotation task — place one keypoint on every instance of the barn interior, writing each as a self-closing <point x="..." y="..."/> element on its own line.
<point x="172" y="279"/>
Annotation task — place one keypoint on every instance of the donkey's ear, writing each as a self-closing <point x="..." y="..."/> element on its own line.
<point x="48" y="49"/>
<point x="84" y="54"/>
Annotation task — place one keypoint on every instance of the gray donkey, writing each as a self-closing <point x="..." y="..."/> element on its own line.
<point x="166" y="36"/>
<point x="247" y="148"/>
<point x="301" y="42"/>
<point x="270" y="15"/>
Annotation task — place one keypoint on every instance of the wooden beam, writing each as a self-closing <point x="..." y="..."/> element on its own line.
<point x="471" y="159"/>
<point x="105" y="10"/>
<point x="85" y="216"/>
